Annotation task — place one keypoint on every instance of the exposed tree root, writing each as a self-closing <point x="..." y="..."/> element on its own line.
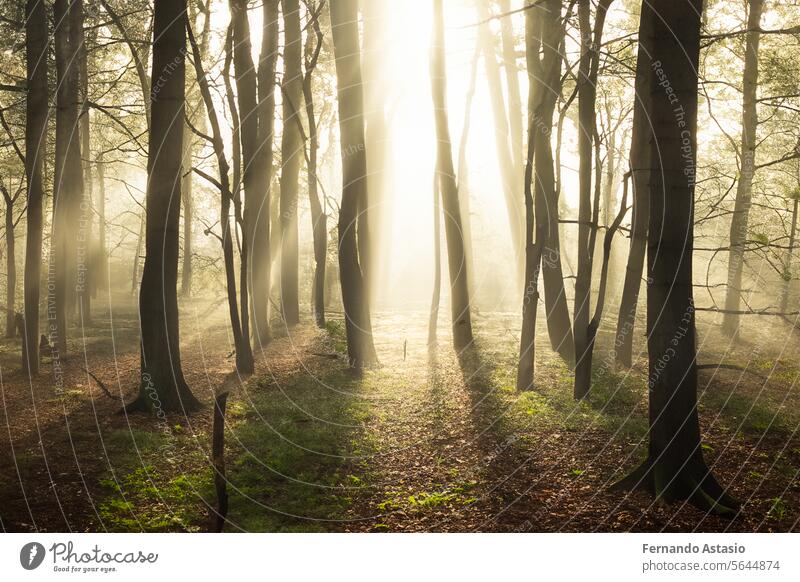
<point x="694" y="483"/>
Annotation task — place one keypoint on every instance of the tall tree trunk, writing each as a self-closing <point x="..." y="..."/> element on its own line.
<point x="85" y="237"/>
<point x="433" y="318"/>
<point x="291" y="149"/>
<point x="35" y="153"/>
<point x="163" y="387"/>
<point x="584" y="331"/>
<point x="373" y="214"/>
<point x="744" y="189"/>
<point x="68" y="169"/>
<point x="457" y="264"/>
<point x="260" y="248"/>
<point x="675" y="468"/>
<point x="640" y="178"/>
<point x="787" y="261"/>
<point x="544" y="34"/>
<point x="11" y="265"/>
<point x="254" y="174"/>
<point x="346" y="45"/>
<point x="319" y="220"/>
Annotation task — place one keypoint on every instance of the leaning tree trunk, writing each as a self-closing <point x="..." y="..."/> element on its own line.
<point x="744" y="189"/>
<point x="346" y="46"/>
<point x="291" y="151"/>
<point x="675" y="468"/>
<point x="544" y="42"/>
<point x="163" y="387"/>
<point x="456" y="257"/>
<point x="35" y="150"/>
<point x="640" y="177"/>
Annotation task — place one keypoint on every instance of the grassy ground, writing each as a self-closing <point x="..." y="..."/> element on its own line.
<point x="427" y="441"/>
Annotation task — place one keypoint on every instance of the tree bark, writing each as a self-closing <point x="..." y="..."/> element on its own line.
<point x="358" y="324"/>
<point x="640" y="178"/>
<point x="260" y="249"/>
<point x="456" y="257"/>
<point x="241" y="339"/>
<point x="11" y="265"/>
<point x="544" y="34"/>
<point x="163" y="387"/>
<point x="584" y="331"/>
<point x="675" y="468"/>
<point x="35" y="153"/>
<point x="319" y="220"/>
<point x="291" y="150"/>
<point x="254" y="173"/>
<point x="68" y="187"/>
<point x="744" y="189"/>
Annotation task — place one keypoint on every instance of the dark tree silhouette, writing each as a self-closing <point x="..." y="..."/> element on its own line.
<point x="35" y="145"/>
<point x="675" y="468"/>
<point x="163" y="387"/>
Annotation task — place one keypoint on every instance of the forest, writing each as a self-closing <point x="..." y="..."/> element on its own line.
<point x="422" y="266"/>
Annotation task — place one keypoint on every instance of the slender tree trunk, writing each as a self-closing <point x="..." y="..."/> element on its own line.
<point x="11" y="265"/>
<point x="640" y="179"/>
<point x="372" y="216"/>
<point x="254" y="174"/>
<point x="291" y="149"/>
<point x="544" y="34"/>
<point x="463" y="171"/>
<point x="433" y="318"/>
<point x="459" y="288"/>
<point x="260" y="250"/>
<point x="35" y="153"/>
<point x="85" y="267"/>
<point x="163" y="387"/>
<point x="675" y="468"/>
<point x="787" y="261"/>
<point x="744" y="189"/>
<point x="101" y="270"/>
<point x="241" y="338"/>
<point x="68" y="170"/>
<point x="358" y="324"/>
<point x="319" y="220"/>
<point x="584" y="332"/>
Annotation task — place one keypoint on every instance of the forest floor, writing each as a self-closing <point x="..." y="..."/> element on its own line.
<point x="426" y="441"/>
